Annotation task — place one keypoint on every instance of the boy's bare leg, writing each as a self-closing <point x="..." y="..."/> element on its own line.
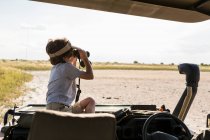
<point x="88" y="104"/>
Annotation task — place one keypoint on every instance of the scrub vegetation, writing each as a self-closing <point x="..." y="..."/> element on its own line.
<point x="135" y="66"/>
<point x="26" y="65"/>
<point x="11" y="82"/>
<point x="37" y="65"/>
<point x="140" y="66"/>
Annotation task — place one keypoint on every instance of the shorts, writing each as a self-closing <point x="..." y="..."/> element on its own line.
<point x="76" y="108"/>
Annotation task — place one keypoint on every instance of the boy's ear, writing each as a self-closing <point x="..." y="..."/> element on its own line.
<point x="65" y="58"/>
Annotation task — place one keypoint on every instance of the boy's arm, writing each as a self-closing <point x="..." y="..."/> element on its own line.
<point x="88" y="74"/>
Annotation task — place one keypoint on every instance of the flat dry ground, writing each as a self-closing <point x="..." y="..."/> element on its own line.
<point x="134" y="87"/>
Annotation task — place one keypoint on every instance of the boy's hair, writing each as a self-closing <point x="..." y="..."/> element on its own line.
<point x="55" y="45"/>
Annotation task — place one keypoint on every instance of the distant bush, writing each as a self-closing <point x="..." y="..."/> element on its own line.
<point x="135" y="62"/>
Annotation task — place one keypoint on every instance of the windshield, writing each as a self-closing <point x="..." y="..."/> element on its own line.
<point x="134" y="59"/>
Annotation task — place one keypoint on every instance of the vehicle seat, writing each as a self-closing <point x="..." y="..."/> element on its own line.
<point x="54" y="125"/>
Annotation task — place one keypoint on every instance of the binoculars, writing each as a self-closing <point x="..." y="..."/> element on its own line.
<point x="75" y="53"/>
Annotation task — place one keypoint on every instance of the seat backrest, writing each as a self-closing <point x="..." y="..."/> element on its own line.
<point x="54" y="125"/>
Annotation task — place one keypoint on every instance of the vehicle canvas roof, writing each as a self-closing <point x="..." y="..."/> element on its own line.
<point x="175" y="10"/>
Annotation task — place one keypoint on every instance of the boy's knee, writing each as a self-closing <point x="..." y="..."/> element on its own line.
<point x="91" y="100"/>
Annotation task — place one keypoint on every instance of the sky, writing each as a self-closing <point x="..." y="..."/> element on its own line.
<point x="26" y="26"/>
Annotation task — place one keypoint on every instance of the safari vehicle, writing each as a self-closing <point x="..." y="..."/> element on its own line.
<point x="122" y="122"/>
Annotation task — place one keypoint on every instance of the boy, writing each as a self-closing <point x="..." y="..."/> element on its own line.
<point x="61" y="87"/>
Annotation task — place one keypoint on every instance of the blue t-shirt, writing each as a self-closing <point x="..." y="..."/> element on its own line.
<point x="61" y="86"/>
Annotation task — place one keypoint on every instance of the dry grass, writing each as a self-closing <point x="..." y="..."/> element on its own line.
<point x="45" y="65"/>
<point x="11" y="81"/>
<point x="124" y="66"/>
<point x="26" y="64"/>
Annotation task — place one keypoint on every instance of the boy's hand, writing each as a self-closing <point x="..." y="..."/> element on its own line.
<point x="83" y="54"/>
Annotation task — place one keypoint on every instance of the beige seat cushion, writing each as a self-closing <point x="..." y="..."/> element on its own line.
<point x="54" y="125"/>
